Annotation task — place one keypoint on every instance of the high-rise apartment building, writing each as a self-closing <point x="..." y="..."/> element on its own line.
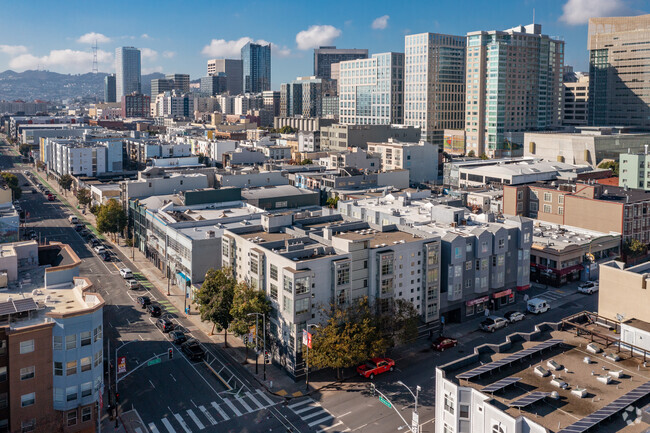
<point x="575" y="100"/>
<point x="213" y="85"/>
<point x="304" y="96"/>
<point x="272" y="102"/>
<point x="109" y="88"/>
<point x="371" y="91"/>
<point x="233" y="70"/>
<point x="434" y="83"/>
<point x="256" y="65"/>
<point x="136" y="105"/>
<point x="514" y="84"/>
<point x="161" y="85"/>
<point x="180" y="82"/>
<point x="324" y="57"/>
<point x="619" y="71"/>
<point x="127" y="71"/>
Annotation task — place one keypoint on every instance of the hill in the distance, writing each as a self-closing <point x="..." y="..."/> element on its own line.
<point x="52" y="86"/>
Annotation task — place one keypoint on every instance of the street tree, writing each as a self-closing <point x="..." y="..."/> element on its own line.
<point x="332" y="202"/>
<point x="399" y="324"/>
<point x="12" y="182"/>
<point x="83" y="196"/>
<point x="612" y="165"/>
<point x="247" y="300"/>
<point x="111" y="218"/>
<point x="24" y="149"/>
<point x="65" y="182"/>
<point x="215" y="299"/>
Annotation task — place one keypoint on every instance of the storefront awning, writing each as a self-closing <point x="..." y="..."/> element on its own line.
<point x="502" y="293"/>
<point x="477" y="301"/>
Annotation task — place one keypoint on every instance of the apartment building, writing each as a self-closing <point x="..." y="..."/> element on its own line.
<point x="483" y="264"/>
<point x="575" y="100"/>
<point x="80" y="157"/>
<point x="136" y="105"/>
<point x="420" y="159"/>
<point x="51" y="328"/>
<point x="371" y="91"/>
<point x="514" y="84"/>
<point x="306" y="260"/>
<point x="326" y="56"/>
<point x="618" y="71"/>
<point x="173" y="104"/>
<point x="355" y="157"/>
<point x="304" y="96"/>
<point x="233" y="69"/>
<point x="339" y="137"/>
<point x="434" y="83"/>
<point x="623" y="291"/>
<point x="632" y="170"/>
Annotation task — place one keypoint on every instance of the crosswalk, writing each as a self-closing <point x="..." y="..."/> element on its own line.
<point x="316" y="417"/>
<point x="553" y="295"/>
<point x="205" y="417"/>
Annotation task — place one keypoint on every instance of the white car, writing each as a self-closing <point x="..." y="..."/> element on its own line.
<point x="100" y="249"/>
<point x="588" y="288"/>
<point x="514" y="316"/>
<point x="126" y="273"/>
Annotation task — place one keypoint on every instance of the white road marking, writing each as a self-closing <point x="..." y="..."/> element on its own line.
<point x="151" y="383"/>
<point x="246" y="406"/>
<point x="172" y="377"/>
<point x="257" y="403"/>
<point x="221" y="412"/>
<point x="332" y="426"/>
<point x="208" y="415"/>
<point x="307" y="408"/>
<point x="153" y="428"/>
<point x="268" y="400"/>
<point x="181" y="421"/>
<point x="138" y="430"/>
<point x="320" y="421"/>
<point x="311" y="415"/>
<point x="196" y="420"/>
<point x="295" y="405"/>
<point x="232" y="407"/>
<point x="168" y="425"/>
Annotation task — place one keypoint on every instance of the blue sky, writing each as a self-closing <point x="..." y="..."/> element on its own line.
<point x="179" y="36"/>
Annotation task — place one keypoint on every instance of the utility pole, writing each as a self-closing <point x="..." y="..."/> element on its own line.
<point x="415" y="417"/>
<point x="263" y="341"/>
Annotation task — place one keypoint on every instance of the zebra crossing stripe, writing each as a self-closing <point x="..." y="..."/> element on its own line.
<point x="321" y="420"/>
<point x="168" y="425"/>
<point x="305" y="409"/>
<point x="254" y="400"/>
<point x="232" y="407"/>
<point x="196" y="420"/>
<point x="138" y="430"/>
<point x="181" y="421"/>
<point x="221" y="412"/>
<point x="268" y="400"/>
<point x="295" y="405"/>
<point x="311" y="415"/>
<point x="153" y="428"/>
<point x="208" y="415"/>
<point x="246" y="406"/>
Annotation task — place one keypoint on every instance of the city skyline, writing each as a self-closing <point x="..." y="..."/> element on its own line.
<point x="67" y="47"/>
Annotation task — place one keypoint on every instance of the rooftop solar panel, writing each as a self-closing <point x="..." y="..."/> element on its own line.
<point x="508" y="359"/>
<point x="26" y="304"/>
<point x="529" y="399"/>
<point x="7" y="308"/>
<point x="605" y="412"/>
<point x="500" y="384"/>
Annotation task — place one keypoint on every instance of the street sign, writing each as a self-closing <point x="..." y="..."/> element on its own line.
<point x="306" y="338"/>
<point x="153" y="362"/>
<point x="121" y="364"/>
<point x="386" y="402"/>
<point x="415" y="422"/>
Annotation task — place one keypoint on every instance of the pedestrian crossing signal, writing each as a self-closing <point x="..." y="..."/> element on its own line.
<point x="170" y="352"/>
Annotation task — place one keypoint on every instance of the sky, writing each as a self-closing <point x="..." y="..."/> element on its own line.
<point x="180" y="36"/>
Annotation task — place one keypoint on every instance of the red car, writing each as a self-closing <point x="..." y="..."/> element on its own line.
<point x="50" y="197"/>
<point x="376" y="366"/>
<point x="442" y="343"/>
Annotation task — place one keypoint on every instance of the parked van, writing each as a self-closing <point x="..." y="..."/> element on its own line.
<point x="538" y="305"/>
<point x="73" y="219"/>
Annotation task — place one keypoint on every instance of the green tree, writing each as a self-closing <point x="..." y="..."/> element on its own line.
<point x="332" y="202"/>
<point x="613" y="165"/>
<point x="399" y="325"/>
<point x="247" y="300"/>
<point x="111" y="218"/>
<point x="83" y="196"/>
<point x="40" y="165"/>
<point x="349" y="338"/>
<point x="484" y="156"/>
<point x="634" y="248"/>
<point x="12" y="182"/>
<point x="24" y="149"/>
<point x="471" y="154"/>
<point x="286" y="129"/>
<point x="306" y="161"/>
<point x="215" y="299"/>
<point x="65" y="182"/>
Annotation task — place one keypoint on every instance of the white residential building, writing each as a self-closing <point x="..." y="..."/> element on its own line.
<point x="420" y="159"/>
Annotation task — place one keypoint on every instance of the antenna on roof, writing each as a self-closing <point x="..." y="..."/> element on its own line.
<point x="533" y="16"/>
<point x="95" y="67"/>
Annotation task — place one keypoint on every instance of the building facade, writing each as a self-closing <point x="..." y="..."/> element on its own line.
<point x="233" y="70"/>
<point x="256" y="67"/>
<point x="514" y="84"/>
<point x="575" y="101"/>
<point x="109" y="88"/>
<point x="325" y="57"/>
<point x="632" y="170"/>
<point x="304" y="97"/>
<point x="161" y="85"/>
<point x="420" y="159"/>
<point x="434" y="83"/>
<point x="128" y="71"/>
<point x="180" y="82"/>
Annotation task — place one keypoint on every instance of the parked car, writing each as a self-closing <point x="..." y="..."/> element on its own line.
<point x="132" y="284"/>
<point x="73" y="219"/>
<point x="589" y="288"/>
<point x="376" y="366"/>
<point x="106" y="257"/>
<point x="126" y="273"/>
<point x="143" y="301"/>
<point x="192" y="348"/>
<point x="94" y="242"/>
<point x="177" y="337"/>
<point x="492" y="323"/>
<point x="33" y="191"/>
<point x="79" y="227"/>
<point x="441" y="343"/>
<point x="514" y="316"/>
<point x="537" y="306"/>
<point x="165" y="325"/>
<point x="100" y="249"/>
<point x="154" y="310"/>
<point x="50" y="197"/>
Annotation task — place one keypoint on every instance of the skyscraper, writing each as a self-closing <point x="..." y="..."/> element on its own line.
<point x="180" y="82"/>
<point x="128" y="71"/>
<point x="256" y="64"/>
<point x="434" y="83"/>
<point x="233" y="70"/>
<point x="161" y="85"/>
<point x="109" y="88"/>
<point x="514" y="84"/>
<point x="324" y="57"/>
<point x="619" y="71"/>
<point x="371" y="91"/>
<point x="304" y="96"/>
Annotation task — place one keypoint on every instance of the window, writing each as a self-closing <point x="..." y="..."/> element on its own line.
<point x="387" y="286"/>
<point x="548" y="197"/>
<point x="3" y="374"/>
<point x="57" y="342"/>
<point x="448" y="429"/>
<point x="386" y="265"/>
<point x="547" y="208"/>
<point x="86" y="414"/>
<point x="302" y="306"/>
<point x="26" y="346"/>
<point x="58" y="368"/>
<point x="560" y="210"/>
<point x="342" y="275"/>
<point x="28" y="426"/>
<point x="86" y="339"/>
<point x="533" y="206"/>
<point x="98" y="357"/>
<point x="97" y="333"/>
<point x="273" y="289"/>
<point x="274" y="272"/>
<point x="520" y="195"/>
<point x="484" y="247"/>
<point x="288" y="284"/>
<point x="496" y="428"/>
<point x="463" y="411"/>
<point x="4" y="401"/>
<point x="70" y="342"/>
<point x="70" y="368"/>
<point x="86" y="389"/>
<point x="86" y="363"/>
<point x="286" y="304"/>
<point x="58" y="395"/>
<point x="457" y="253"/>
<point x="72" y="417"/>
<point x="71" y="393"/>
<point x="27" y="373"/>
<point x="449" y="403"/>
<point x="520" y="207"/>
<point x="560" y="199"/>
<point x="27" y="399"/>
<point x="468" y="265"/>
<point x="303" y="285"/>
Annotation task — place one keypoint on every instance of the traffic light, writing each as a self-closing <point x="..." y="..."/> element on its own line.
<point x="267" y="357"/>
<point x="117" y="397"/>
<point x="170" y="353"/>
<point x="373" y="389"/>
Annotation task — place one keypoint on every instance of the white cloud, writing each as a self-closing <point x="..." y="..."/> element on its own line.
<point x="280" y="51"/>
<point x="13" y="50"/>
<point x="224" y="48"/>
<point x="169" y="54"/>
<point x="145" y="36"/>
<point x="380" y="23"/>
<point x="148" y="53"/>
<point x="578" y="12"/>
<point x="90" y="38"/>
<point x="71" y="61"/>
<point x="147" y="71"/>
<point x="316" y="36"/>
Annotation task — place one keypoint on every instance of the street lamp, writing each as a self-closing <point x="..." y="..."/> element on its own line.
<point x="415" y="419"/>
<point x="256" y="340"/>
<point x="307" y="357"/>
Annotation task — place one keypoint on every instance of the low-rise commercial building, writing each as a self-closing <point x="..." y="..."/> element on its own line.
<point x="280" y="197"/>
<point x="355" y="157"/>
<point x="302" y="123"/>
<point x="339" y="137"/>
